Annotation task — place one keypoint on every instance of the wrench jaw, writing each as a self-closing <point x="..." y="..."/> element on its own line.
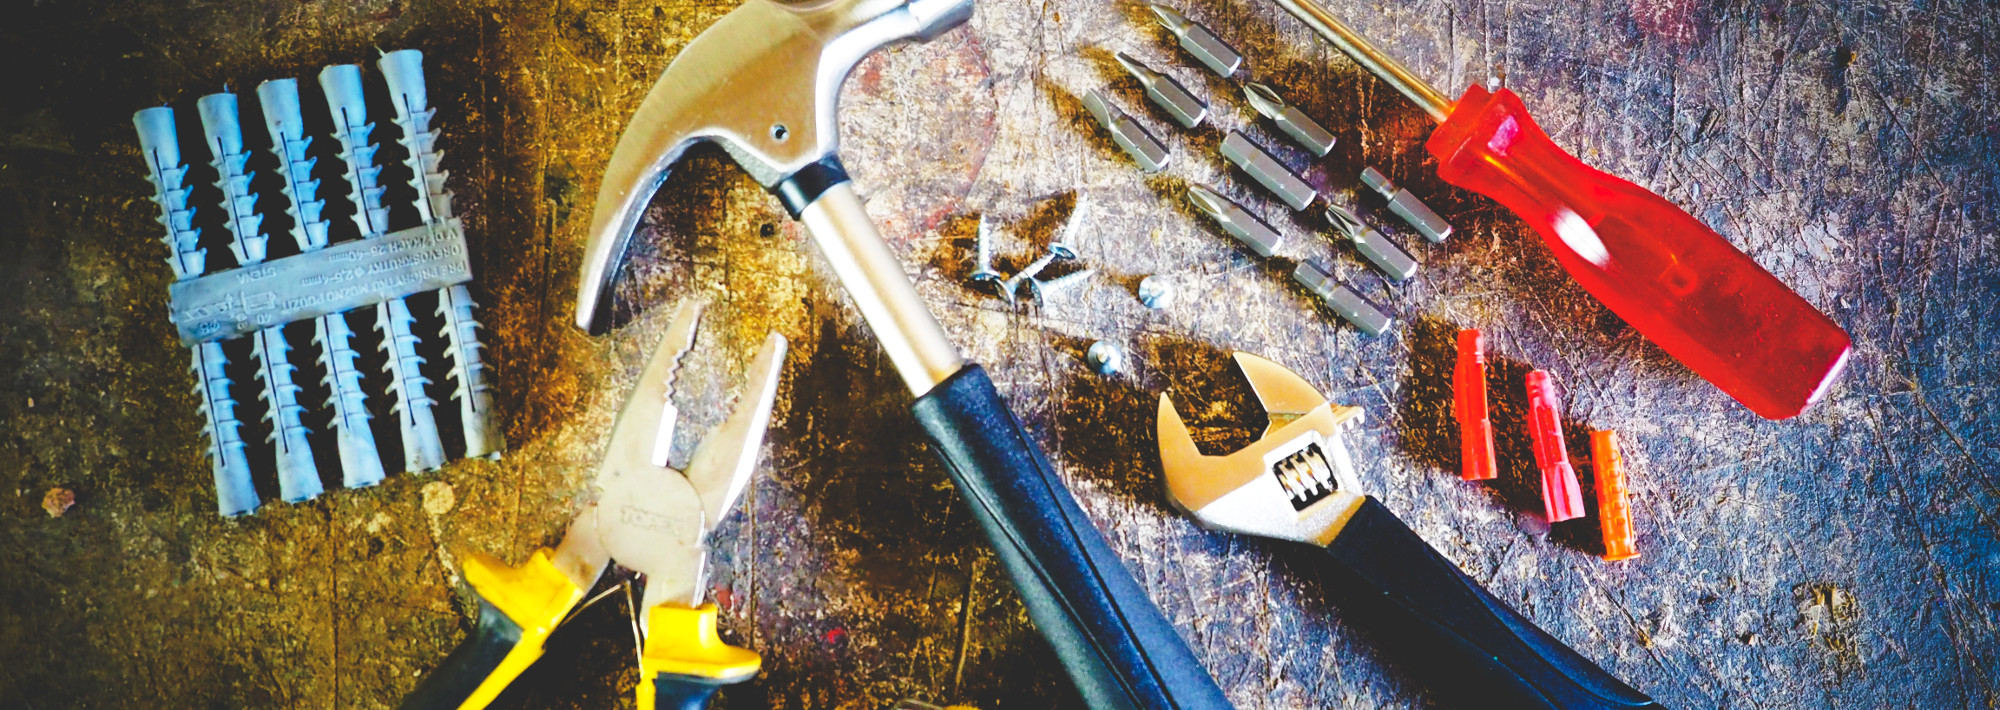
<point x="763" y="83"/>
<point x="1285" y="396"/>
<point x="1295" y="483"/>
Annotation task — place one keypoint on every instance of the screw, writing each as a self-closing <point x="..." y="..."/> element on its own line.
<point x="1027" y="273"/>
<point x="1039" y="289"/>
<point x="1105" y="358"/>
<point x="982" y="270"/>
<point x="1058" y="249"/>
<point x="1155" y="292"/>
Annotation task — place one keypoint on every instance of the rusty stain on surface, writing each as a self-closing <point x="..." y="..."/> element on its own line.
<point x="57" y="501"/>
<point x="1829" y="616"/>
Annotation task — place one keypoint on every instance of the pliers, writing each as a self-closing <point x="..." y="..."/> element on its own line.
<point x="649" y="517"/>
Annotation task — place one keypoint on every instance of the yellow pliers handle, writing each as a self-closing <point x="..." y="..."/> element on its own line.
<point x="518" y="608"/>
<point x="685" y="662"/>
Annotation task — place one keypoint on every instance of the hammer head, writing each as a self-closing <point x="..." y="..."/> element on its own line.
<point x="1295" y="483"/>
<point x="763" y="82"/>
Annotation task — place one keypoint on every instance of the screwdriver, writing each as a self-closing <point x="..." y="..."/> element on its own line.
<point x="1668" y="275"/>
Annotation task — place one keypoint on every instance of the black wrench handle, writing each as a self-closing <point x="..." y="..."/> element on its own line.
<point x="1451" y="631"/>
<point x="1118" y="648"/>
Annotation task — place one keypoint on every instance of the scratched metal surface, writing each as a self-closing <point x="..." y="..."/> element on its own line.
<point x="1843" y="559"/>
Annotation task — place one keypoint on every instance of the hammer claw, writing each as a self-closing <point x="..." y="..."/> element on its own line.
<point x="763" y="82"/>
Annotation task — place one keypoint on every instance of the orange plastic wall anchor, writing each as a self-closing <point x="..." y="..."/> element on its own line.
<point x="1613" y="513"/>
<point x="1561" y="497"/>
<point x="1475" y="424"/>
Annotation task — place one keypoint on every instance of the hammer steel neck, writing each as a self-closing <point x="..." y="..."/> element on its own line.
<point x="874" y="276"/>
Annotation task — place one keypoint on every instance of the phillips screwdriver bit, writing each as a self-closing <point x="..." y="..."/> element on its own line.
<point x="1376" y="248"/>
<point x="1209" y="49"/>
<point x="1343" y="300"/>
<point x="1235" y="220"/>
<point x="1267" y="171"/>
<point x="1151" y="155"/>
<point x="1407" y="206"/>
<point x="1166" y="93"/>
<point x="1307" y="132"/>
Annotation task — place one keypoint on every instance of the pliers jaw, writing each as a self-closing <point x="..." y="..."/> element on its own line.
<point x="1296" y="482"/>
<point x="654" y="519"/>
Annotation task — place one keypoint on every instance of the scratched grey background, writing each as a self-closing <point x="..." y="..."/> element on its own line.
<point x="1846" y="558"/>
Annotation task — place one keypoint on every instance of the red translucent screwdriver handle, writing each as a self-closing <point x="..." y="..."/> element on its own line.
<point x="1664" y="272"/>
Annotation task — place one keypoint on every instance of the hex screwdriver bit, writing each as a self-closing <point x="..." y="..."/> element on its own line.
<point x="1343" y="300"/>
<point x="1207" y="48"/>
<point x="1407" y="206"/>
<point x="1147" y="151"/>
<point x="1166" y="93"/>
<point x="1301" y="128"/>
<point x="1376" y="248"/>
<point x="1267" y="171"/>
<point x="1235" y="220"/>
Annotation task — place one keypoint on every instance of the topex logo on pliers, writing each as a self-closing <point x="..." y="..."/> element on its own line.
<point x="1297" y="483"/>
<point x="649" y="517"/>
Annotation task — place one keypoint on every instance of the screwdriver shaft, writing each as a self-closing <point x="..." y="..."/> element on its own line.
<point x="1370" y="58"/>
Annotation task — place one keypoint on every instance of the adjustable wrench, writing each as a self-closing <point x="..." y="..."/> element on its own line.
<point x="1297" y="483"/>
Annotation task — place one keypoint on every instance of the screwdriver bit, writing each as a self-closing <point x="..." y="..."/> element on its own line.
<point x="1151" y="155"/>
<point x="1235" y="220"/>
<point x="1209" y="49"/>
<point x="1407" y="206"/>
<point x="1307" y="132"/>
<point x="1376" y="248"/>
<point x="1267" y="171"/>
<point x="1343" y="300"/>
<point x="1166" y="93"/>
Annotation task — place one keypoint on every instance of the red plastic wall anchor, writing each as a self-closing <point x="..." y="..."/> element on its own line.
<point x="1561" y="497"/>
<point x="1475" y="425"/>
<point x="1613" y="513"/>
<point x="1671" y="277"/>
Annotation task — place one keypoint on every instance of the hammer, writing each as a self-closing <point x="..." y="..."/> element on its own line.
<point x="764" y="84"/>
